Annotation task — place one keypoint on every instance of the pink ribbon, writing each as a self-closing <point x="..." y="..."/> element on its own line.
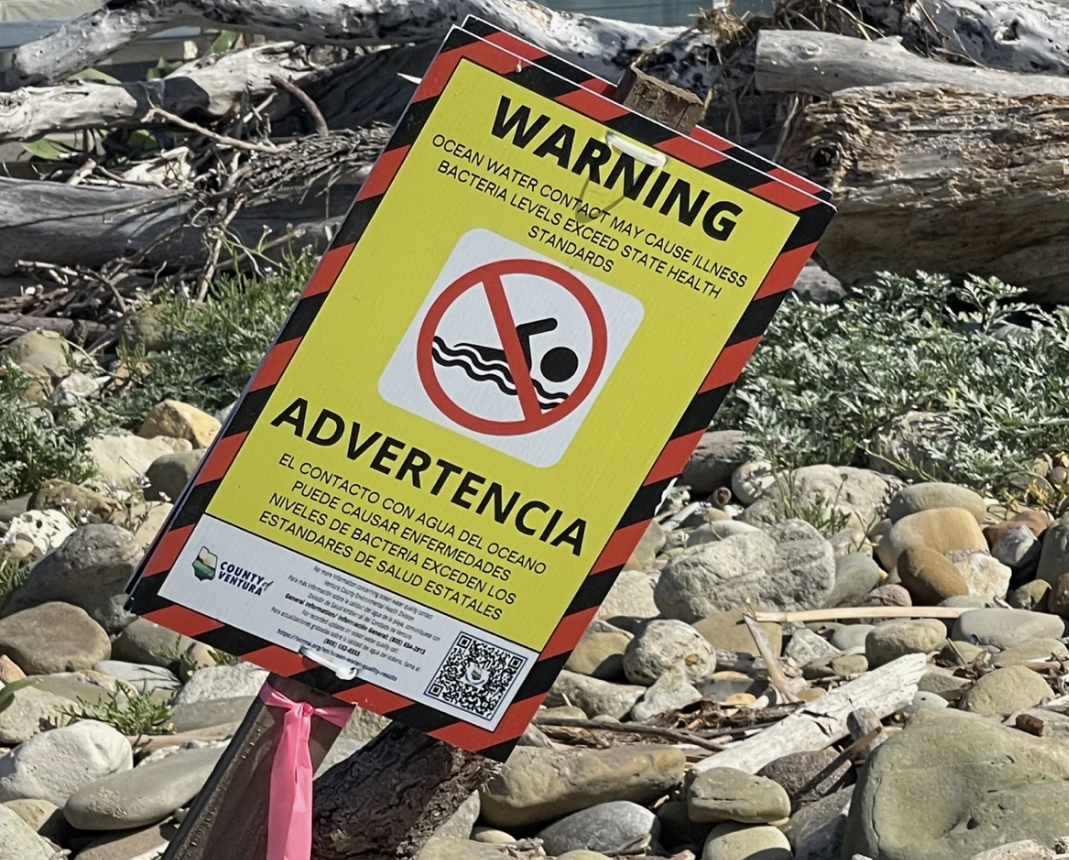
<point x="289" y="825"/>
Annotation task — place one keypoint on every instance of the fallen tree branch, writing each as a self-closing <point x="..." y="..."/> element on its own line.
<point x="824" y="721"/>
<point x="966" y="183"/>
<point x="212" y="87"/>
<point x="628" y="729"/>
<point x="313" y="110"/>
<point x="249" y="145"/>
<point x="822" y="64"/>
<point x="603" y="46"/>
<point x="13" y="325"/>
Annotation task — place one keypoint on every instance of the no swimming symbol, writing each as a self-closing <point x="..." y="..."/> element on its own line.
<point x="508" y="368"/>
<point x="510" y="348"/>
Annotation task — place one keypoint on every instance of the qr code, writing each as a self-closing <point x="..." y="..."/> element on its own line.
<point x="475" y="676"/>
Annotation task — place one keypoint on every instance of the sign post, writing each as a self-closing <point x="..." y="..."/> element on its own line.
<point x="524" y="326"/>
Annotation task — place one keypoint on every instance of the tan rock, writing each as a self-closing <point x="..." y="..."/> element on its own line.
<point x="929" y="577"/>
<point x="9" y="670"/>
<point x="940" y="529"/>
<point x="727" y="630"/>
<point x="1006" y="690"/>
<point x="178" y="420"/>
<point x="599" y="654"/>
<point x="537" y="785"/>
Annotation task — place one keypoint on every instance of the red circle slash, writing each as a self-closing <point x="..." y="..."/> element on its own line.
<point x="489" y="276"/>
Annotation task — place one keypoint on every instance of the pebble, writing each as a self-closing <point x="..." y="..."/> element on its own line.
<point x="492" y="836"/>
<point x="807" y="647"/>
<point x="594" y="696"/>
<point x="727" y="631"/>
<point x="896" y="638"/>
<point x="941" y="529"/>
<point x="1032" y="595"/>
<point x="53" y="637"/>
<point x="669" y="644"/>
<point x="929" y="577"/>
<point x="1017" y="546"/>
<point x="984" y="575"/>
<point x="1005" y="628"/>
<point x="888" y="595"/>
<point x="952" y="784"/>
<point x="19" y="841"/>
<point x="1036" y="649"/>
<point x="816" y="831"/>
<point x="927" y="701"/>
<point x="849" y="665"/>
<point x="177" y="420"/>
<point x="855" y="576"/>
<point x="169" y="474"/>
<point x="618" y="827"/>
<point x="600" y="655"/>
<point x="89" y="570"/>
<point x="743" y="842"/>
<point x="942" y="682"/>
<point x="53" y="765"/>
<point x="808" y="776"/>
<point x="222" y="682"/>
<point x="537" y="785"/>
<point x="1006" y="690"/>
<point x="726" y="794"/>
<point x="851" y="636"/>
<point x="458" y="849"/>
<point x="43" y="816"/>
<point x="669" y="692"/>
<point x="630" y="600"/>
<point x="143" y="678"/>
<point x="935" y="494"/>
<point x="120" y="459"/>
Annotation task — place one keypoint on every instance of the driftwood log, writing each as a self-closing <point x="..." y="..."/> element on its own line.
<point x="822" y="64"/>
<point x="942" y="180"/>
<point x="823" y="721"/>
<point x="602" y="45"/>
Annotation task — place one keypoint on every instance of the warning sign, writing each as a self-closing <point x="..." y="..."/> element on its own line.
<point x="510" y="348"/>
<point x="524" y="325"/>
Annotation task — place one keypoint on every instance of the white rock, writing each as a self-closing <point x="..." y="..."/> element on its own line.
<point x="222" y="682"/>
<point x="54" y="765"/>
<point x="664" y="645"/>
<point x="45" y="530"/>
<point x="121" y="459"/>
<point x="76" y="387"/>
<point x="985" y="575"/>
<point x="1017" y="547"/>
<point x="750" y="480"/>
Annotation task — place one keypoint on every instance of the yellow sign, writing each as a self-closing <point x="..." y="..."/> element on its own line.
<point x="438" y="485"/>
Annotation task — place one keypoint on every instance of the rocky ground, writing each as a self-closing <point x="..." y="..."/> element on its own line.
<point x="681" y="726"/>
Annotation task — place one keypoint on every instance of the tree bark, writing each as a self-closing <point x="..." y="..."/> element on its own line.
<point x="822" y="64"/>
<point x="942" y="180"/>
<point x="1014" y="35"/>
<point x="210" y="87"/>
<point x="604" y="46"/>
<point x="385" y="802"/>
<point x="48" y="222"/>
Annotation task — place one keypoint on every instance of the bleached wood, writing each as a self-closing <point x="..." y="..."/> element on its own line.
<point x="824" y="721"/>
<point x="822" y="64"/>
<point x="843" y="613"/>
<point x="209" y="87"/>
<point x="603" y="46"/>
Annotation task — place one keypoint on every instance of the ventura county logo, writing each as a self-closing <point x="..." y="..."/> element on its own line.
<point x="206" y="566"/>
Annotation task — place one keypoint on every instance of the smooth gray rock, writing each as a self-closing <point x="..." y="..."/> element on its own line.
<point x="730" y="841"/>
<point x="717" y="531"/>
<point x="31" y="713"/>
<point x="726" y="794"/>
<point x="858" y="494"/>
<point x="210" y="712"/>
<point x="89" y="570"/>
<point x="788" y="566"/>
<point x="851" y="636"/>
<point x="43" y="816"/>
<point x="143" y="678"/>
<point x="951" y="785"/>
<point x="19" y="841"/>
<point x="459" y="825"/>
<point x="600" y="654"/>
<point x="855" y="576"/>
<point x="1054" y="557"/>
<point x="611" y="828"/>
<point x="594" y="696"/>
<point x="897" y="638"/>
<point x="1006" y="690"/>
<point x="808" y="776"/>
<point x="664" y="645"/>
<point x="122" y="458"/>
<point x="815" y="285"/>
<point x="90" y="686"/>
<point x="668" y="692"/>
<point x="1006" y="628"/>
<point x="169" y="474"/>
<point x="54" y="765"/>
<point x="141" y="641"/>
<point x="935" y="494"/>
<point x="718" y="455"/>
<point x="630" y="599"/>
<point x="222" y="682"/>
<point x="816" y="831"/>
<point x="142" y="796"/>
<point x="806" y="647"/>
<point x="53" y="637"/>
<point x="1017" y="547"/>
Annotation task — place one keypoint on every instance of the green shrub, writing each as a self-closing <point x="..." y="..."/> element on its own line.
<point x="125" y="710"/>
<point x="827" y="376"/>
<point x="210" y="349"/>
<point x="35" y="447"/>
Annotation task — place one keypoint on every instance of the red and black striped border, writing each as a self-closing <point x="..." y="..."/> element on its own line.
<point x="145" y="598"/>
<point x="575" y="74"/>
